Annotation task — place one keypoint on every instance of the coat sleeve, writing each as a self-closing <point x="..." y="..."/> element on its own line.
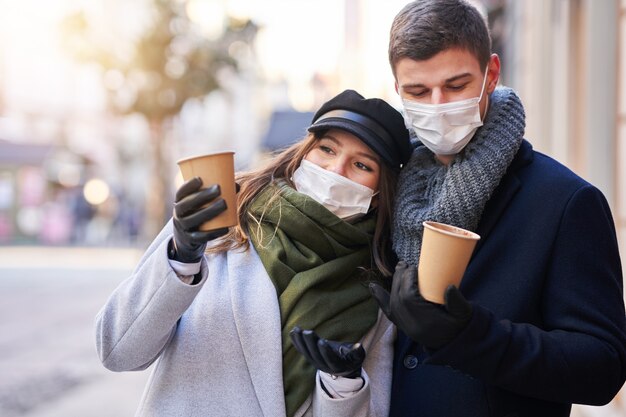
<point x="372" y="400"/>
<point x="578" y="354"/>
<point x="141" y="315"/>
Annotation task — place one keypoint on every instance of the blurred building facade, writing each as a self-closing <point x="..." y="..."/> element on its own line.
<point x="567" y="59"/>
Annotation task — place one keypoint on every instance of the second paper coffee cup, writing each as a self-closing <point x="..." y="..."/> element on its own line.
<point x="446" y="251"/>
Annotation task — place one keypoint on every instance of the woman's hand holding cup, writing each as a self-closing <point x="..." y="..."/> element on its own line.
<point x="193" y="207"/>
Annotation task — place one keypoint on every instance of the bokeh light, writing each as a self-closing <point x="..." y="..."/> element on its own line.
<point x="96" y="191"/>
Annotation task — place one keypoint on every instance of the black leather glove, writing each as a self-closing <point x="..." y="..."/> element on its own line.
<point x="335" y="358"/>
<point x="189" y="213"/>
<point x="430" y="324"/>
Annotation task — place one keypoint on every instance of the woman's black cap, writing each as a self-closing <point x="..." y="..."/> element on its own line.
<point x="374" y="121"/>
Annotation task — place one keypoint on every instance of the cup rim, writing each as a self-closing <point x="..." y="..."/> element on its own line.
<point x="450" y="230"/>
<point x="198" y="156"/>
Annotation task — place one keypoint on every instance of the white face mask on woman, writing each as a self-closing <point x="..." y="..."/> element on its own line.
<point x="445" y="128"/>
<point x="343" y="197"/>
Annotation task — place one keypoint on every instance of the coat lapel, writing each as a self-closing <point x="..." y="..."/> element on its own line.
<point x="257" y="319"/>
<point x="508" y="187"/>
<point x="496" y="206"/>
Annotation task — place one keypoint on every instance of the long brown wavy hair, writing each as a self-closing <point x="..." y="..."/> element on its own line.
<point x="281" y="167"/>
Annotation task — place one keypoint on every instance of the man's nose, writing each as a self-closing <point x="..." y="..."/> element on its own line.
<point x="436" y="96"/>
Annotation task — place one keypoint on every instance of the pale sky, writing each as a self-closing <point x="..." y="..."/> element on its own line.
<point x="298" y="39"/>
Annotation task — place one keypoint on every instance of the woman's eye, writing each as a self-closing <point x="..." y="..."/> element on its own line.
<point x="325" y="149"/>
<point x="363" y="167"/>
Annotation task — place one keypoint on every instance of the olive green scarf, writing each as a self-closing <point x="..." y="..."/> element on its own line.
<point x="313" y="259"/>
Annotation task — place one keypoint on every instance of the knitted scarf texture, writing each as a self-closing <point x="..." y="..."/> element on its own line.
<point x="457" y="194"/>
<point x="314" y="260"/>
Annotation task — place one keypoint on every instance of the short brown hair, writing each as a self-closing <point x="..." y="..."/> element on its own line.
<point x="424" y="28"/>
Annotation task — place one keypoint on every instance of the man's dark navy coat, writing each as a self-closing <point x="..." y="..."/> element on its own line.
<point x="548" y="327"/>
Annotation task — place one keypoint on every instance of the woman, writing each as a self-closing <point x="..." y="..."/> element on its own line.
<point x="225" y="320"/>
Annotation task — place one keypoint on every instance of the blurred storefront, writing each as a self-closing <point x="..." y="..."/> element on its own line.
<point x="45" y="195"/>
<point x="22" y="190"/>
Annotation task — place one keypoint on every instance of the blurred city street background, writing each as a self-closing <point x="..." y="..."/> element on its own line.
<point x="48" y="363"/>
<point x="100" y="98"/>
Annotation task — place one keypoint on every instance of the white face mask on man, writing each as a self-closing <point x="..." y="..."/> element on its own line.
<point x="445" y="128"/>
<point x="345" y="198"/>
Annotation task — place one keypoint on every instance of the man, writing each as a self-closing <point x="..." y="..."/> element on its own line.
<point x="538" y="322"/>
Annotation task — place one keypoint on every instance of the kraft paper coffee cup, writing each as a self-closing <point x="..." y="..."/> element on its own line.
<point x="215" y="168"/>
<point x="446" y="251"/>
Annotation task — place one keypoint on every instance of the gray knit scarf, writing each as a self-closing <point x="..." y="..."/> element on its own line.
<point x="456" y="194"/>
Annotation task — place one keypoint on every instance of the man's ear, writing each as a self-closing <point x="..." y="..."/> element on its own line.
<point x="396" y="87"/>
<point x="493" y="69"/>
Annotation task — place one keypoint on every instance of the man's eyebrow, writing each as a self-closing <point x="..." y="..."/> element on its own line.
<point x="448" y="80"/>
<point x="458" y="77"/>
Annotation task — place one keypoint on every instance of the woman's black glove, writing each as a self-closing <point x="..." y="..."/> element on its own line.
<point x="430" y="324"/>
<point x="335" y="358"/>
<point x="189" y="213"/>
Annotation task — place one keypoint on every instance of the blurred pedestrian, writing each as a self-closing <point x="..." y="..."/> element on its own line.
<point x="538" y="322"/>
<point x="273" y="317"/>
